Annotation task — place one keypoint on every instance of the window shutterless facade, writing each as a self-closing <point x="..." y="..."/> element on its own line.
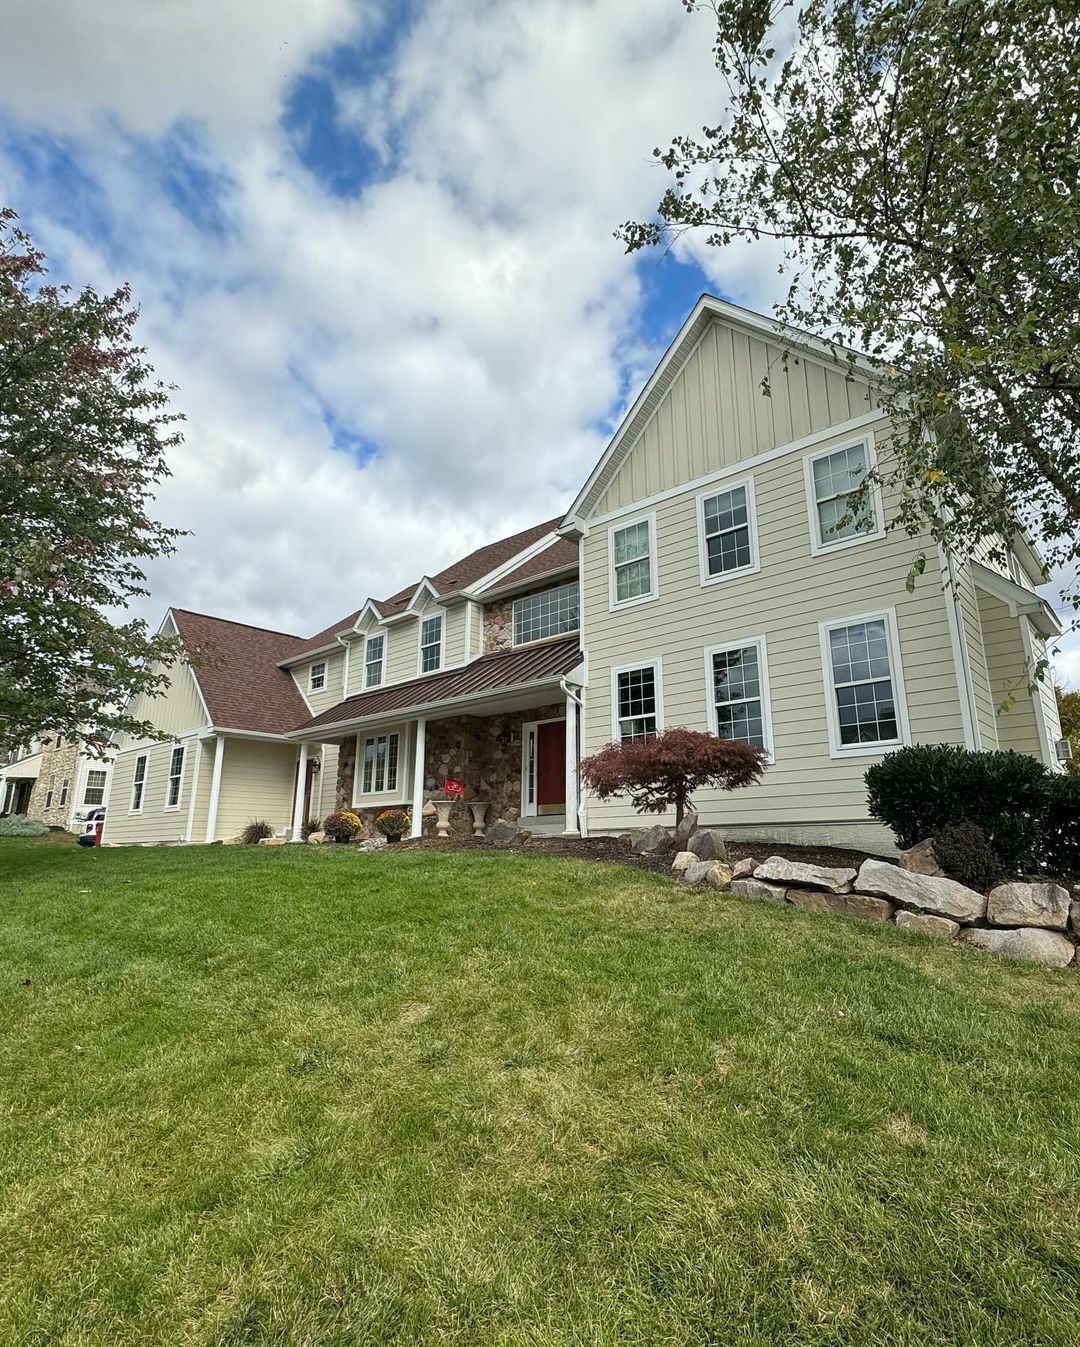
<point x="176" y="778"/>
<point x="431" y="643"/>
<point x="374" y="659"/>
<point x="94" y="790"/>
<point x="64" y="792"/>
<point x="831" y="477"/>
<point x="380" y="764"/>
<point x="727" y="532"/>
<point x="637" y="701"/>
<point x="738" y="684"/>
<point x="553" y="612"/>
<point x="632" y="562"/>
<point x="317" y="676"/>
<point x="49" y="792"/>
<point x="138" y="785"/>
<point x="864" y="684"/>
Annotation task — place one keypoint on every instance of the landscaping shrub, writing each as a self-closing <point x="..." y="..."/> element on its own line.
<point x="311" y="826"/>
<point x="255" y="831"/>
<point x="965" y="855"/>
<point x="342" y="825"/>
<point x="393" y="823"/>
<point x="18" y="825"/>
<point x="1062" y="826"/>
<point x="919" y="791"/>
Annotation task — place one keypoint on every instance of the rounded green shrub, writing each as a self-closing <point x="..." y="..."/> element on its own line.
<point x="18" y="825"/>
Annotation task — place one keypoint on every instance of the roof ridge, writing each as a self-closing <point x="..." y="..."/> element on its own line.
<point x="232" y="622"/>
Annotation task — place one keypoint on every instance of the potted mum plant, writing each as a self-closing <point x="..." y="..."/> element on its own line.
<point x="342" y="825"/>
<point x="393" y="824"/>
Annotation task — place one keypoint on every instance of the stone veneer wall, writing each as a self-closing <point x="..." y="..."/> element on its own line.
<point x="498" y="626"/>
<point x="56" y="764"/>
<point x="484" y="752"/>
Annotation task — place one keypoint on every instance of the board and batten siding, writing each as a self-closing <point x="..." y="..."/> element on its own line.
<point x="179" y="709"/>
<point x="716" y="414"/>
<point x="784" y="601"/>
<point x="257" y="780"/>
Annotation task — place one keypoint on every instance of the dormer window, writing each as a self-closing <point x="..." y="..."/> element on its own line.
<point x="374" y="659"/>
<point x="317" y="676"/>
<point x="431" y="642"/>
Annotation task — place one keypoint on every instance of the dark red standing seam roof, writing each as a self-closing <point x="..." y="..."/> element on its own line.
<point x="491" y="673"/>
<point x="236" y="669"/>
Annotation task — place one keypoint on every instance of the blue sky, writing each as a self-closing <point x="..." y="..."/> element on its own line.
<point x="372" y="245"/>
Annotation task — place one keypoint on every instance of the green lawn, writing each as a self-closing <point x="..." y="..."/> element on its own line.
<point x="303" y="1096"/>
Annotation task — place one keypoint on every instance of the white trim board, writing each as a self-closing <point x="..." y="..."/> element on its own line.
<point x="765" y="697"/>
<point x="896" y="674"/>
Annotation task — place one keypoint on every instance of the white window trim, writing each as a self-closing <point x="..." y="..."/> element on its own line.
<point x="515" y="644"/>
<point x="751" y="518"/>
<point x="174" y="808"/>
<point x="614" y="605"/>
<point x="324" y="665"/>
<point x="896" y="673"/>
<point x="380" y="631"/>
<point x="426" y="617"/>
<point x="86" y="804"/>
<point x="658" y="673"/>
<point x="819" y="548"/>
<point x="143" y="757"/>
<point x="766" y="697"/>
<point x="383" y="798"/>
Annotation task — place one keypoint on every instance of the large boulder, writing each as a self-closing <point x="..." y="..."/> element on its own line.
<point x="777" y="870"/>
<point x="1040" y="904"/>
<point x="708" y="845"/>
<point x="941" y="928"/>
<point x="682" y="860"/>
<point x="842" y="904"/>
<point x="1025" y="943"/>
<point x="653" y="840"/>
<point x="316" y="838"/>
<point x="743" y="869"/>
<point x="927" y="893"/>
<point x="756" y="888"/>
<point x="504" y="833"/>
<point x="921" y="859"/>
<point x="702" y="872"/>
<point x="719" y="877"/>
<point x="684" y="831"/>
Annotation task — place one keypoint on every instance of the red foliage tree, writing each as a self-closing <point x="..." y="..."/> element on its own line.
<point x="663" y="772"/>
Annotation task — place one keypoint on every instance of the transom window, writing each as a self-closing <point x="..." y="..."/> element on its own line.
<point x="138" y="784"/>
<point x="94" y="791"/>
<point x="374" y="655"/>
<point x="632" y="562"/>
<point x="863" y="683"/>
<point x="550" y="613"/>
<point x="636" y="702"/>
<point x="176" y="777"/>
<point x="431" y="631"/>
<point x="727" y="532"/>
<point x="317" y="676"/>
<point x="380" y="764"/>
<point x="737" y="675"/>
<point x="832" y="478"/>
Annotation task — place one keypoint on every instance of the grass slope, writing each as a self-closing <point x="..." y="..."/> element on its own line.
<point x="303" y="1096"/>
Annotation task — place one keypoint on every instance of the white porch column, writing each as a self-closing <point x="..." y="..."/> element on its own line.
<point x="301" y="789"/>
<point x="215" y="787"/>
<point x="571" y="828"/>
<point x="416" y="828"/>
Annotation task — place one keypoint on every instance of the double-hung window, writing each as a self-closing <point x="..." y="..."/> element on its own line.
<point x="94" y="791"/>
<point x="49" y="793"/>
<point x="317" y="676"/>
<point x="138" y="785"/>
<point x="632" y="562"/>
<point x="176" y="777"/>
<point x="380" y="764"/>
<point x="864" y="684"/>
<point x="831" y="478"/>
<point x="431" y="643"/>
<point x="637" y="700"/>
<point x="738" y="692"/>
<point x="553" y="612"/>
<point x="63" y="792"/>
<point x="728" y="540"/>
<point x="374" y="658"/>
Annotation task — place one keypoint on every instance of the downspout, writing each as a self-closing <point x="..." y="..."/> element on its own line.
<point x="576" y="698"/>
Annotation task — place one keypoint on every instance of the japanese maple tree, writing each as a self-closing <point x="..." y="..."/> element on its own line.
<point x="664" y="771"/>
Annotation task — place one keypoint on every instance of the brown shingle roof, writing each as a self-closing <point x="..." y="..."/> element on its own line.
<point x="559" y="556"/>
<point x="491" y="673"/>
<point x="236" y="669"/>
<point x="326" y="636"/>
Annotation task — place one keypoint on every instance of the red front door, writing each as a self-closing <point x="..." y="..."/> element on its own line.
<point x="551" y="767"/>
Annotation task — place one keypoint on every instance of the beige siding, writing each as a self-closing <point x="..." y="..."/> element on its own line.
<point x="1010" y="675"/>
<point x="454" y="635"/>
<point x="257" y="781"/>
<point x="784" y="602"/>
<point x="205" y="763"/>
<point x="154" y="823"/>
<point x="178" y="710"/>
<point x="716" y="414"/>
<point x="972" y="634"/>
<point x="354" y="673"/>
<point x="401" y="794"/>
<point x="332" y="691"/>
<point x="1046" y="697"/>
<point x="324" y="787"/>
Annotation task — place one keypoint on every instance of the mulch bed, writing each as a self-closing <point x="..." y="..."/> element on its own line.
<point x="617" y="849"/>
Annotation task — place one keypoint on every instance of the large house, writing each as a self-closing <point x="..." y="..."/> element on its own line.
<point x="709" y="574"/>
<point x="56" y="780"/>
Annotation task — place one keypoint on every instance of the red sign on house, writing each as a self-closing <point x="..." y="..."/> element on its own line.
<point x="453" y="787"/>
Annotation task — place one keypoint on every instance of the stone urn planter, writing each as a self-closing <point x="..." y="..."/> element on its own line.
<point x="442" y="817"/>
<point x="479" y="811"/>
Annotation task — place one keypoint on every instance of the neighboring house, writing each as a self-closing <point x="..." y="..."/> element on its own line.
<point x="703" y="577"/>
<point x="58" y="781"/>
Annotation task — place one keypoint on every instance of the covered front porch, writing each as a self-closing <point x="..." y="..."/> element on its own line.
<point x="496" y="739"/>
